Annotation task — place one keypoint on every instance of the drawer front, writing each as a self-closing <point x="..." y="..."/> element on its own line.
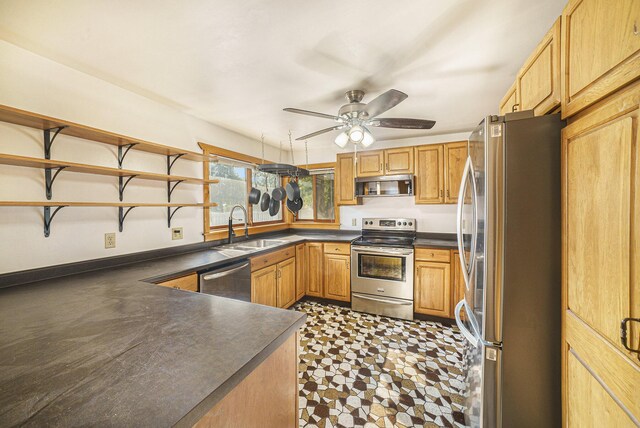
<point x="274" y="257"/>
<point x="189" y="283"/>
<point x="433" y="255"/>
<point x="337" y="248"/>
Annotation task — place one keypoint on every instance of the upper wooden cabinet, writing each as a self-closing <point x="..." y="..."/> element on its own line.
<point x="455" y="156"/>
<point x="600" y="50"/>
<point x="398" y="161"/>
<point x="344" y="179"/>
<point x="429" y="169"/>
<point x="538" y="81"/>
<point x="509" y="102"/>
<point x="370" y="163"/>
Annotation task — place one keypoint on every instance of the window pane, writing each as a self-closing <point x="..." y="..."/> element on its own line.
<point x="324" y="196"/>
<point x="230" y="191"/>
<point x="262" y="181"/>
<point x="306" y="192"/>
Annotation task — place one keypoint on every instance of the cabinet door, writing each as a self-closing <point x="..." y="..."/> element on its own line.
<point x="286" y="284"/>
<point x="432" y="290"/>
<point x="539" y="79"/>
<point x="509" y="102"/>
<point x="600" y="50"/>
<point x="337" y="278"/>
<point x="301" y="271"/>
<point x="314" y="265"/>
<point x="429" y="174"/>
<point x="601" y="263"/>
<point x="188" y="283"/>
<point x="345" y="176"/>
<point x="370" y="163"/>
<point x="457" y="283"/>
<point x="398" y="161"/>
<point x="263" y="286"/>
<point x="455" y="156"/>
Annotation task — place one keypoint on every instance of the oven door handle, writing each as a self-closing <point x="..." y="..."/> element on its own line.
<point x="376" y="250"/>
<point x="376" y="299"/>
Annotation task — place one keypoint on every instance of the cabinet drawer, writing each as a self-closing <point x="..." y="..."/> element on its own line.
<point x="337" y="248"/>
<point x="189" y="283"/>
<point x="433" y="255"/>
<point x="274" y="257"/>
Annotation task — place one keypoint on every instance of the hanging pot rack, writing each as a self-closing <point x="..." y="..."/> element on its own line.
<point x="283" y="169"/>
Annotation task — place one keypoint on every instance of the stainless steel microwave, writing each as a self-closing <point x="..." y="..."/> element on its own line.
<point x="384" y="185"/>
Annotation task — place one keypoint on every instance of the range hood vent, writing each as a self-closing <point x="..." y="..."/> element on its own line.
<point x="384" y="185"/>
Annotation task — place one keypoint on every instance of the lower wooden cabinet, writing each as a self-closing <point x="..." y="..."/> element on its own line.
<point x="188" y="283"/>
<point x="286" y="284"/>
<point x="275" y="285"/>
<point x="315" y="274"/>
<point x="432" y="289"/>
<point x="301" y="271"/>
<point x="337" y="277"/>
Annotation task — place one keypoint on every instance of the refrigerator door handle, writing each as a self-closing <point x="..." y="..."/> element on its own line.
<point x="466" y="272"/>
<point x="465" y="332"/>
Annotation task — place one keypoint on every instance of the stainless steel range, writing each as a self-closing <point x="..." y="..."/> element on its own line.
<point x="382" y="267"/>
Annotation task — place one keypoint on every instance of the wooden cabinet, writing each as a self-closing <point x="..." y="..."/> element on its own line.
<point x="509" y="102"/>
<point x="601" y="243"/>
<point x="301" y="270"/>
<point x="344" y="179"/>
<point x="315" y="259"/>
<point x="264" y="286"/>
<point x="337" y="277"/>
<point x="455" y="156"/>
<point x="286" y="284"/>
<point x="432" y="289"/>
<point x="188" y="283"/>
<point x="398" y="161"/>
<point x="429" y="174"/>
<point x="538" y="81"/>
<point x="370" y="163"/>
<point x="600" y="50"/>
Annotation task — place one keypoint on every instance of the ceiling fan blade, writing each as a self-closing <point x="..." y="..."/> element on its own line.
<point x="312" y="113"/>
<point x="384" y="102"/>
<point x="402" y="123"/>
<point x="322" y="131"/>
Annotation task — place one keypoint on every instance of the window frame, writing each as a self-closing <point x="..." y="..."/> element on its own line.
<point x="335" y="223"/>
<point x="315" y="211"/>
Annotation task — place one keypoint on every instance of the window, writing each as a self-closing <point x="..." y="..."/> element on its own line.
<point x="317" y="192"/>
<point x="235" y="182"/>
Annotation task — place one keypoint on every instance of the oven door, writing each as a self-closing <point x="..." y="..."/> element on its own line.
<point x="382" y="271"/>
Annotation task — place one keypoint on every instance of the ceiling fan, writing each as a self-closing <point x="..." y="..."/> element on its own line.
<point x="354" y="118"/>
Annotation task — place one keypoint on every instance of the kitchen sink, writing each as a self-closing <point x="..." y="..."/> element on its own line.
<point x="232" y="252"/>
<point x="259" y="243"/>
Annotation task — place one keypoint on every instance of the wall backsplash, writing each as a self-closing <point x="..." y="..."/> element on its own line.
<point x="429" y="218"/>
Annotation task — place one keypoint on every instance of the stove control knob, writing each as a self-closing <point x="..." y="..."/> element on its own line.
<point x="410" y="224"/>
<point x="404" y="223"/>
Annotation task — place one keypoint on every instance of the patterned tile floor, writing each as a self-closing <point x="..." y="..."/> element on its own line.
<point x="366" y="370"/>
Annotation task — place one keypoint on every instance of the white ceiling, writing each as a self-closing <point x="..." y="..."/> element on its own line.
<point x="238" y="63"/>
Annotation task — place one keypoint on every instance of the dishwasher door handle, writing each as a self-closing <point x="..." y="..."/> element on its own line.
<point x="224" y="273"/>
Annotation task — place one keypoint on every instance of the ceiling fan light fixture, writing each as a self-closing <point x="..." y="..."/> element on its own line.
<point x="367" y="139"/>
<point x="341" y="140"/>
<point x="356" y="134"/>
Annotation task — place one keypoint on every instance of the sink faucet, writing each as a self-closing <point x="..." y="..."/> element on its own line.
<point x="246" y="228"/>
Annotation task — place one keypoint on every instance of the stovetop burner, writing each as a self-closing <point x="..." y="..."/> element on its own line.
<point x="387" y="232"/>
<point x="384" y="242"/>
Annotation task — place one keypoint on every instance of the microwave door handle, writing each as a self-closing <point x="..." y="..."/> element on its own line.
<point x="465" y="332"/>
<point x="223" y="273"/>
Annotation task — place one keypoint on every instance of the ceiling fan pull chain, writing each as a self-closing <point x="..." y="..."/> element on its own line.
<point x="262" y="139"/>
<point x="293" y="162"/>
<point x="306" y="150"/>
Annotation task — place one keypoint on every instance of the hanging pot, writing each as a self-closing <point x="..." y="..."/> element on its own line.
<point x="294" y="206"/>
<point x="264" y="201"/>
<point x="274" y="207"/>
<point x="293" y="191"/>
<point x="278" y="194"/>
<point x="254" y="196"/>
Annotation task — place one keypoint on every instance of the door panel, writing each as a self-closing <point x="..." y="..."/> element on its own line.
<point x="370" y="163"/>
<point x="429" y="170"/>
<point x="455" y="156"/>
<point x="314" y="258"/>
<point x="345" y="176"/>
<point x="509" y="102"/>
<point x="263" y="286"/>
<point x="286" y="283"/>
<point x="301" y="271"/>
<point x="398" y="161"/>
<point x="337" y="277"/>
<point x="432" y="289"/>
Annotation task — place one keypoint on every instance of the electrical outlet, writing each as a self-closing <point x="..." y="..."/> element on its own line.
<point x="354" y="222"/>
<point x="109" y="240"/>
<point x="176" y="233"/>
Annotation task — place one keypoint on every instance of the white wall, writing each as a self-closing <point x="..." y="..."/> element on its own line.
<point x="34" y="83"/>
<point x="430" y="218"/>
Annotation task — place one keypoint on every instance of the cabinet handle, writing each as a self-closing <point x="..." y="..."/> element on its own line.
<point x="635" y="28"/>
<point x="515" y="107"/>
<point x="441" y="193"/>
<point x="387" y="167"/>
<point x="381" y="167"/>
<point x="623" y="333"/>
<point x="448" y="193"/>
<point x="175" y="286"/>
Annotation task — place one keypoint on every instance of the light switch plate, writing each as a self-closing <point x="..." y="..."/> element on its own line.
<point x="109" y="240"/>
<point x="354" y="222"/>
<point x="176" y="233"/>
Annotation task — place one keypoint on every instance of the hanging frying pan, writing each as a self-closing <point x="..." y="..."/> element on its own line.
<point x="278" y="194"/>
<point x="274" y="207"/>
<point x="254" y="196"/>
<point x="293" y="190"/>
<point x="265" y="200"/>
<point x="294" y="206"/>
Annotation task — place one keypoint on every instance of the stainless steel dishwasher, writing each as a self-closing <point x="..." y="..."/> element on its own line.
<point x="232" y="281"/>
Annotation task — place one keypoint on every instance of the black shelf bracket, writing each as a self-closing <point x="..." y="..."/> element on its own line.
<point x="122" y="214"/>
<point x="48" y="218"/>
<point x="170" y="215"/>
<point x="122" y="184"/>
<point x="171" y="159"/>
<point x="49" y="179"/>
<point x="48" y="139"/>
<point x="123" y="153"/>
<point x="171" y="186"/>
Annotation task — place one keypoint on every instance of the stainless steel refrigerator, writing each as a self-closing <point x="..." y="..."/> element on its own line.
<point x="509" y="243"/>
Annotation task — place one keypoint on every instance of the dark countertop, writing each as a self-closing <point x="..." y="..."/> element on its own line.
<point x="105" y="348"/>
<point x="435" y="243"/>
